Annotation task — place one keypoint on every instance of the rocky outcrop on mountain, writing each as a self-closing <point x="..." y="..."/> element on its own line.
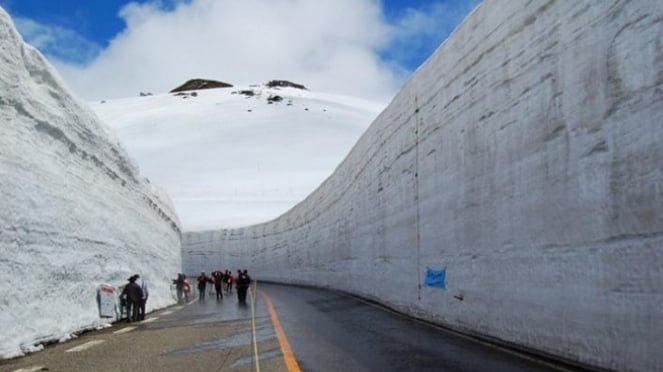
<point x="284" y="84"/>
<point x="198" y="84"/>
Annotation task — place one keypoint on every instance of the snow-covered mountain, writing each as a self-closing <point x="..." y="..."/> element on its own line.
<point x="75" y="212"/>
<point x="237" y="156"/>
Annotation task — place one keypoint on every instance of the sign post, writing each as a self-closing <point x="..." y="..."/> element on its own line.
<point x="106" y="296"/>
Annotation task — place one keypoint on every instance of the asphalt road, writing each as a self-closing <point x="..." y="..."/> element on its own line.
<point x="330" y="331"/>
<point x="294" y="328"/>
<point x="205" y="336"/>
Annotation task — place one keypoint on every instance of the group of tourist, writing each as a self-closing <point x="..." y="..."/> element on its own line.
<point x="133" y="296"/>
<point x="222" y="281"/>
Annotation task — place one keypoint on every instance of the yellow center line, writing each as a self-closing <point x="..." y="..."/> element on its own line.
<point x="288" y="355"/>
<point x="253" y="324"/>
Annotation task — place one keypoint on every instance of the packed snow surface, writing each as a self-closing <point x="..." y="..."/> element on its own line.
<point x="237" y="156"/>
<point x="75" y="213"/>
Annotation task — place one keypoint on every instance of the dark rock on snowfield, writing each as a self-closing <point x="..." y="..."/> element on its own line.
<point x="197" y="84"/>
<point x="285" y="84"/>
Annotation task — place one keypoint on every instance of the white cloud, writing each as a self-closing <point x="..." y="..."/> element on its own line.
<point x="335" y="46"/>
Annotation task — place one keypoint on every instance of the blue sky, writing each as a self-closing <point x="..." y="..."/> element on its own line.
<point x="393" y="37"/>
<point x="94" y="21"/>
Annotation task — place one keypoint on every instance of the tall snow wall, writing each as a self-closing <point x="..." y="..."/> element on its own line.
<point x="524" y="157"/>
<point x="74" y="211"/>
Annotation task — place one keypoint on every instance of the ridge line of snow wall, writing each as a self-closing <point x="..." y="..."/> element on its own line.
<point x="75" y="212"/>
<point x="524" y="157"/>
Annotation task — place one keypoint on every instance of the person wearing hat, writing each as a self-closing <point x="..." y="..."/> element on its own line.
<point x="134" y="297"/>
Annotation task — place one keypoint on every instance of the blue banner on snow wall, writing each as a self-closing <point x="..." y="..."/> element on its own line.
<point x="435" y="278"/>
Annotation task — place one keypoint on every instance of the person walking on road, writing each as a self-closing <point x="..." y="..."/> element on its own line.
<point x="243" y="283"/>
<point x="179" y="287"/>
<point x="186" y="287"/>
<point x="202" y="284"/>
<point x="229" y="282"/>
<point x="239" y="285"/>
<point x="224" y="280"/>
<point x="247" y="281"/>
<point x="218" y="284"/>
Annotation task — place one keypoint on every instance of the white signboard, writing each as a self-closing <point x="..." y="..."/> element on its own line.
<point x="107" y="298"/>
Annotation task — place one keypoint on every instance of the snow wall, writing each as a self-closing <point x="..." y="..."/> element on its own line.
<point x="75" y="213"/>
<point x="525" y="157"/>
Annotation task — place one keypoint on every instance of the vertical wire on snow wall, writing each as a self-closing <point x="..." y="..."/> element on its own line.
<point x="416" y="193"/>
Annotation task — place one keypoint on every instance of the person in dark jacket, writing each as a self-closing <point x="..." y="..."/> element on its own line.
<point x="134" y="295"/>
<point x="179" y="287"/>
<point x="125" y="309"/>
<point x="243" y="283"/>
<point x="124" y="301"/>
<point x="202" y="284"/>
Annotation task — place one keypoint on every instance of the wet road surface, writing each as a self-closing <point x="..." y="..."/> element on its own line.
<point x="325" y="330"/>
<point x="331" y="331"/>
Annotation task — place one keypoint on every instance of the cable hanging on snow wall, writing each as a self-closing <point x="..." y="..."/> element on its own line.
<point x="539" y="138"/>
<point x="416" y="195"/>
